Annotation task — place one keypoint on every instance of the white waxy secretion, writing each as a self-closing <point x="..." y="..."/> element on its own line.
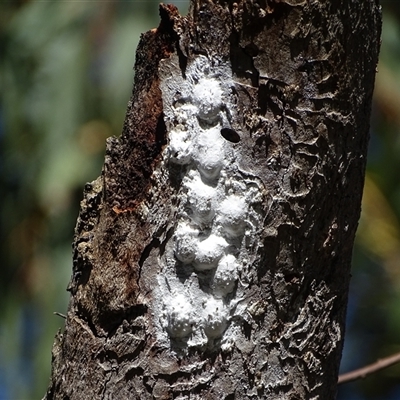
<point x="179" y="316"/>
<point x="207" y="96"/>
<point x="201" y="199"/>
<point x="185" y="243"/>
<point x="232" y="214"/>
<point x="180" y="146"/>
<point x="210" y="152"/>
<point x="209" y="252"/>
<point x="201" y="267"/>
<point x="225" y="276"/>
<point x="215" y="317"/>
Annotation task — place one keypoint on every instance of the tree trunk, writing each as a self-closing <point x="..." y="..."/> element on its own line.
<point x="212" y="256"/>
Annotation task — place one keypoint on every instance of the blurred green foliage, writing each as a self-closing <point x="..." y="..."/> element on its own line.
<point x="65" y="79"/>
<point x="373" y="327"/>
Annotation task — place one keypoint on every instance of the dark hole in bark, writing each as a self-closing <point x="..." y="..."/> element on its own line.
<point x="230" y="135"/>
<point x="292" y="278"/>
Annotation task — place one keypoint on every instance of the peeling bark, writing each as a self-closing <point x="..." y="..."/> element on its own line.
<point x="212" y="256"/>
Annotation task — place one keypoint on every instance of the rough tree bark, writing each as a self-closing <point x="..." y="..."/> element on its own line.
<point x="212" y="256"/>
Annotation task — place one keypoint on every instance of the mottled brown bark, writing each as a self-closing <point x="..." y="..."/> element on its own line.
<point x="300" y="77"/>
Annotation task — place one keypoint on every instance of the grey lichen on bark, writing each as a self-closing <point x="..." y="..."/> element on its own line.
<point x="212" y="256"/>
